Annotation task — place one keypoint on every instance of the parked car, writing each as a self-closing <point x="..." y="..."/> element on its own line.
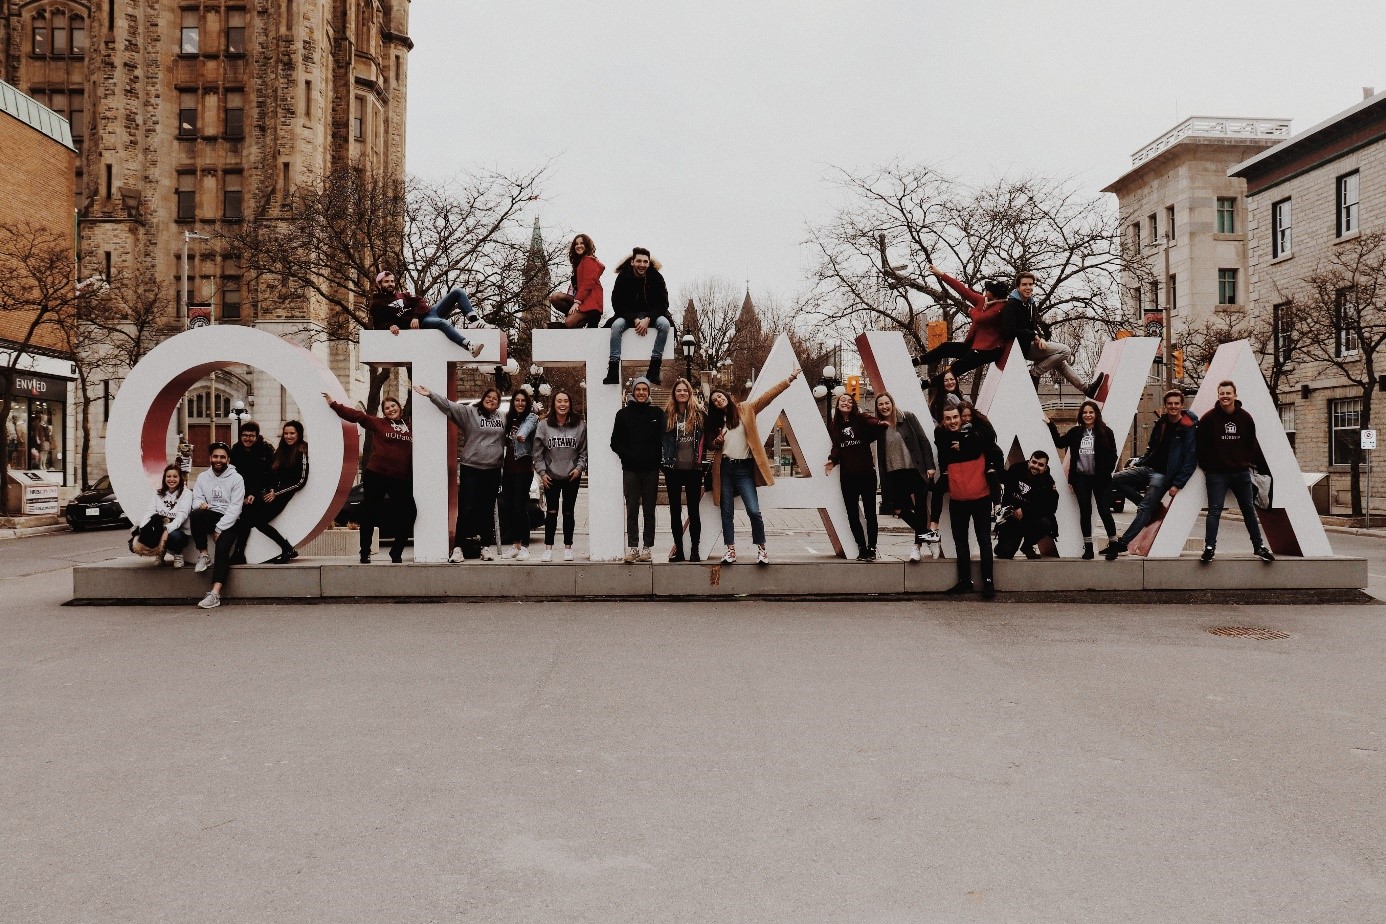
<point x="351" y="510"/>
<point x="96" y="507"/>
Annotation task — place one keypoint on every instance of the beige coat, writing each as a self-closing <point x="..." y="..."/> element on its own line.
<point x="765" y="475"/>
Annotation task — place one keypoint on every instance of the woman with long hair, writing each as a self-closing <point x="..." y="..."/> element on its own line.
<point x="288" y="475"/>
<point x="1092" y="457"/>
<point x="983" y="343"/>
<point x="852" y="434"/>
<point x="683" y="466"/>
<point x="479" y="468"/>
<point x="163" y="530"/>
<point x="560" y="458"/>
<point x="944" y="392"/>
<point x="906" y="463"/>
<point x="389" y="474"/>
<point x="583" y="303"/>
<point x="739" y="463"/>
<point x="520" y="424"/>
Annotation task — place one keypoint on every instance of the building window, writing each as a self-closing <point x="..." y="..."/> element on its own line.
<point x="58" y="33"/>
<point x="78" y="27"/>
<point x="235" y="32"/>
<point x="1169" y="222"/>
<point x="1172" y="293"/>
<point x="189" y="40"/>
<point x="187" y="113"/>
<point x="1152" y="228"/>
<point x="358" y="119"/>
<point x="187" y="196"/>
<point x="1347" y="203"/>
<point x="40" y="33"/>
<point x="1281" y="237"/>
<point x="34" y="435"/>
<point x="235" y="113"/>
<point x="1287" y="421"/>
<point x="1136" y="235"/>
<point x="308" y="100"/>
<point x="1227" y="215"/>
<point x="1154" y="295"/>
<point x="231" y="196"/>
<point x="1283" y="331"/>
<point x="231" y="289"/>
<point x="1227" y="287"/>
<point x="1344" y="427"/>
<point x="77" y="115"/>
<point x="1345" y="324"/>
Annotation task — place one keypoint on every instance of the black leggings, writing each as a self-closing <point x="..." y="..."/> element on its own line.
<point x="965" y="359"/>
<point x="1089" y="489"/>
<point x="375" y="514"/>
<point x="861" y="489"/>
<point x="907" y="493"/>
<point x="476" y="504"/>
<point x="258" y="516"/>
<point x="567" y="489"/>
<point x="978" y="512"/>
<point x="681" y="485"/>
<point x="514" y="511"/>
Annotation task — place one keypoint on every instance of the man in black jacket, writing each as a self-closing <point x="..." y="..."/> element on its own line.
<point x="1019" y="323"/>
<point x="1228" y="453"/>
<point x="1034" y="504"/>
<point x="641" y="301"/>
<point x="637" y="436"/>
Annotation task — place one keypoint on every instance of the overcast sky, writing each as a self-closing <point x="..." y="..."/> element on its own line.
<point x="705" y="130"/>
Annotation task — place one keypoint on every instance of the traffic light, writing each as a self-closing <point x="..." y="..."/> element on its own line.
<point x="854" y="387"/>
<point x="936" y="333"/>
<point x="1178" y="364"/>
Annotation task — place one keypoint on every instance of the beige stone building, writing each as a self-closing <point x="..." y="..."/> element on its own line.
<point x="1309" y="197"/>
<point x="189" y="115"/>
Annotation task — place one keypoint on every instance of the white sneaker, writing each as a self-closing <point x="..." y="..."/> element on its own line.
<point x="165" y="558"/>
<point x="211" y="601"/>
<point x="930" y="536"/>
<point x="632" y="556"/>
<point x="644" y="555"/>
<point x="547" y="556"/>
<point x="456" y="556"/>
<point x="567" y="554"/>
<point x="511" y="552"/>
<point x="914" y="554"/>
<point x="730" y="557"/>
<point x="178" y="560"/>
<point x="476" y="323"/>
<point x="203" y="563"/>
<point x="476" y="349"/>
<point x="522" y="555"/>
<point x="488" y="553"/>
<point x="762" y="556"/>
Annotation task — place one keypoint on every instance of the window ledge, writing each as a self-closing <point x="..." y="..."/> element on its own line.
<point x="1350" y="236"/>
<point x="1229" y="236"/>
<point x="1283" y="258"/>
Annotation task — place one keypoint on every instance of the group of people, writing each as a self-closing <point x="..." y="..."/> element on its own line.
<point x="717" y="447"/>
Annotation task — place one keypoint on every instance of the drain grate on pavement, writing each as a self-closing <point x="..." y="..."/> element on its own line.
<point x="1248" y="632"/>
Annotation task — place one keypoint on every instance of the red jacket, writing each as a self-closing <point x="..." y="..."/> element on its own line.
<point x="985" y="333"/>
<point x="588" y="285"/>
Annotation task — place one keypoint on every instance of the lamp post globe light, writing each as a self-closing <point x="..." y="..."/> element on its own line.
<point x="238" y="410"/>
<point x="688" y="346"/>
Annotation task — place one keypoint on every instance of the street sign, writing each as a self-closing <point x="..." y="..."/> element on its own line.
<point x="1368" y="439"/>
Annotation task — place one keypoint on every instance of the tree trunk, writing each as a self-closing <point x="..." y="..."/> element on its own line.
<point x="4" y="445"/>
<point x="379" y="375"/>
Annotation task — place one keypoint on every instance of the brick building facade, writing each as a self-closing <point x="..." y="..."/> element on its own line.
<point x="189" y="115"/>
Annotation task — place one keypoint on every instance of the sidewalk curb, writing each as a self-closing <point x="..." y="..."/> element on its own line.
<point x="34" y="531"/>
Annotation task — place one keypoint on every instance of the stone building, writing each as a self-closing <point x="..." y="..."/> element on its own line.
<point x="1309" y="197"/>
<point x="35" y="368"/>
<point x="188" y="116"/>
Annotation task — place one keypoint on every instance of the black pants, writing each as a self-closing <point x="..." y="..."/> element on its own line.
<point x="642" y="494"/>
<point x="978" y="514"/>
<point x="1013" y="533"/>
<point x="965" y="359"/>
<point x="398" y="514"/>
<point x="860" y="490"/>
<point x="258" y="516"/>
<point x="567" y="489"/>
<point x="907" y="493"/>
<point x="204" y="523"/>
<point x="681" y="485"/>
<point x="476" y="504"/>
<point x="514" y="509"/>
<point x="1091" y="489"/>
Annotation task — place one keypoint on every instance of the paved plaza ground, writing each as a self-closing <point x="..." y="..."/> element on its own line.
<point x="723" y="761"/>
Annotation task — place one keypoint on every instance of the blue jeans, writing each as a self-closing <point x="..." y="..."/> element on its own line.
<point x="1240" y="485"/>
<point x="455" y="299"/>
<point x="433" y="321"/>
<point x="621" y="325"/>
<point x="739" y="479"/>
<point x="1143" y="486"/>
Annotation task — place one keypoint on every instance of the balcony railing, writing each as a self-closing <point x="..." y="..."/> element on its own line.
<point x="1209" y="127"/>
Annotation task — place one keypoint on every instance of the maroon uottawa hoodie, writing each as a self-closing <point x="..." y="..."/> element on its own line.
<point x="392" y="454"/>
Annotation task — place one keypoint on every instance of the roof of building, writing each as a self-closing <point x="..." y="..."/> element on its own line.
<point x="1220" y="130"/>
<point x="35" y="115"/>
<point x="1322" y="135"/>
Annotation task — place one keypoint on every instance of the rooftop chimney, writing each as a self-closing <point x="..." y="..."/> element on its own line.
<point x="1368" y="92"/>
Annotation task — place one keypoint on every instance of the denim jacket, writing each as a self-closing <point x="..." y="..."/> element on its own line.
<point x="669" y="455"/>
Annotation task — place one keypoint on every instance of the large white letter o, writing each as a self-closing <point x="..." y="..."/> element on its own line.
<point x="137" y="434"/>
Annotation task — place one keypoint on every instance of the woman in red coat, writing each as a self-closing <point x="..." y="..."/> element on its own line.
<point x="584" y="301"/>
<point x="983" y="344"/>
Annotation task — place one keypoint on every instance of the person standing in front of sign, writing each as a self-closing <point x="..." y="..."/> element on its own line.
<point x="852" y="434"/>
<point x="288" y="475"/>
<point x="1167" y="466"/>
<point x="218" y="498"/>
<point x="906" y="463"/>
<point x="389" y="474"/>
<point x="479" y="468"/>
<point x="1092" y="457"/>
<point x="1228" y="452"/>
<point x="164" y="525"/>
<point x="392" y="310"/>
<point x="637" y="436"/>
<point x="682" y="462"/>
<point x="560" y="458"/>
<point x="520" y="424"/>
<point x="967" y="461"/>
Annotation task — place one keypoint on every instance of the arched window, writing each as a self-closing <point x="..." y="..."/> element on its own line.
<point x="40" y="31"/>
<point x="59" y="33"/>
<point x="78" y="26"/>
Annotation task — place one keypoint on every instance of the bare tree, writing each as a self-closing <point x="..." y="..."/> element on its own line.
<point x="873" y="256"/>
<point x="1341" y="320"/>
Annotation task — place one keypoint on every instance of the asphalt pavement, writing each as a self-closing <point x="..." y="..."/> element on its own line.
<point x="735" y="761"/>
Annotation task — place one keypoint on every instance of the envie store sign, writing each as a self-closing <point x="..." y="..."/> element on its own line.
<point x="43" y="387"/>
<point x="138" y="433"/>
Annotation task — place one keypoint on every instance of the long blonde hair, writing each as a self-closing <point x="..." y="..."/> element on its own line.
<point x="894" y="418"/>
<point x="671" y="407"/>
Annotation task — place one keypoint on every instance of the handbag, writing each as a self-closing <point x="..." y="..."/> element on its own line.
<point x="1263" y="487"/>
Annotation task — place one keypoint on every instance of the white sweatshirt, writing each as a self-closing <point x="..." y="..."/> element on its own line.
<point x="173" y="507"/>
<point x="225" y="494"/>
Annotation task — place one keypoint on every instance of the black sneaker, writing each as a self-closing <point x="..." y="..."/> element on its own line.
<point x="962" y="587"/>
<point x="676" y="556"/>
<point x="870" y="554"/>
<point x="1030" y="553"/>
<point x="1112" y="551"/>
<point x="1095" y="385"/>
<point x="1264" y="553"/>
<point x="988" y="589"/>
<point x="365" y="558"/>
<point x="1208" y="552"/>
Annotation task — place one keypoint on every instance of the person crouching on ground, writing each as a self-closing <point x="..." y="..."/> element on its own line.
<point x="852" y="434"/>
<point x="637" y="437"/>
<point x="164" y="528"/>
<point x="479" y="468"/>
<point x="1029" y="492"/>
<point x="218" y="497"/>
<point x="966" y="457"/>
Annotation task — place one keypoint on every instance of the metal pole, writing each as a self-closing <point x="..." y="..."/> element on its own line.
<point x="1367" y="507"/>
<point x="1168" y="317"/>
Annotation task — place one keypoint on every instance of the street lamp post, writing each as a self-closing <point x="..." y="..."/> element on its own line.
<point x="830" y="384"/>
<point x="187" y="301"/>
<point x="688" y="346"/>
<point x="238" y="410"/>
